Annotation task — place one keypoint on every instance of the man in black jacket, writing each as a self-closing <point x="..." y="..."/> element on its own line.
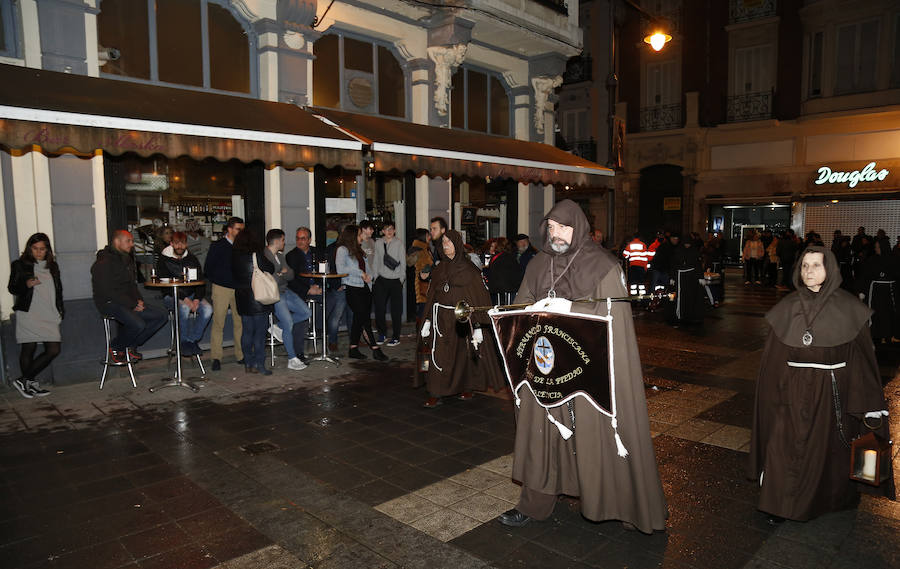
<point x="114" y="282"/>
<point x="175" y="261"/>
<point x="218" y="272"/>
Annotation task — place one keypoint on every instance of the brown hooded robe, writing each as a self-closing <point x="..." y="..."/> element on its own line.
<point x="796" y="444"/>
<point x="456" y="366"/>
<point x="611" y="487"/>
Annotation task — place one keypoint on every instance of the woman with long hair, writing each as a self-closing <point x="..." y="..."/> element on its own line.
<point x="247" y="249"/>
<point x="350" y="259"/>
<point x="35" y="282"/>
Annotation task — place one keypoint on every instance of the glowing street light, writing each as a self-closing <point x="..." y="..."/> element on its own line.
<point x="657" y="40"/>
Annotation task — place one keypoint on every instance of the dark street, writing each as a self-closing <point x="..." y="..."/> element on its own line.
<point x="343" y="468"/>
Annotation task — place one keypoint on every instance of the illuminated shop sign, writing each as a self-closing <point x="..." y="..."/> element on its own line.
<point x="870" y="173"/>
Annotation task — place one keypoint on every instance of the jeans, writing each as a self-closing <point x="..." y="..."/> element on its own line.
<point x="191" y="328"/>
<point x="658" y="278"/>
<point x="290" y="310"/>
<point x="388" y="290"/>
<point x="253" y="339"/>
<point x="337" y="312"/>
<point x="135" y="327"/>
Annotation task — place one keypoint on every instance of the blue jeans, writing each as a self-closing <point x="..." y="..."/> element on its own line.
<point x="337" y="312"/>
<point x="290" y="310"/>
<point x="192" y="328"/>
<point x="135" y="328"/>
<point x="253" y="339"/>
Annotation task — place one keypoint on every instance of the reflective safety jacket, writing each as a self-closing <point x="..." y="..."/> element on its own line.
<point x="636" y="253"/>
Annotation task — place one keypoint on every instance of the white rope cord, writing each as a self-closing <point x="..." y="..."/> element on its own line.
<point x="437" y="331"/>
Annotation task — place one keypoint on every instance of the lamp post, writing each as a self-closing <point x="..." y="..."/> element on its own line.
<point x="657" y="40"/>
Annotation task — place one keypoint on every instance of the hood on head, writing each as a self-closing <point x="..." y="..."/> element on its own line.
<point x="568" y="213"/>
<point x="456" y="238"/>
<point x="833" y="277"/>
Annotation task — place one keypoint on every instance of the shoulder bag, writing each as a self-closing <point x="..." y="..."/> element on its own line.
<point x="265" y="288"/>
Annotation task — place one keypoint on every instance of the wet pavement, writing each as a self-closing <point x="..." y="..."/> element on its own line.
<point x="342" y="468"/>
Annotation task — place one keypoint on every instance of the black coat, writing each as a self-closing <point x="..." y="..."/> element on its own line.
<point x="19" y="273"/>
<point x="242" y="272"/>
<point x="170" y="267"/>
<point x="302" y="263"/>
<point x="504" y="274"/>
<point x="114" y="279"/>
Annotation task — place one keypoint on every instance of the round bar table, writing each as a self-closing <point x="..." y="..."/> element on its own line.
<point x="176" y="380"/>
<point x="324" y="357"/>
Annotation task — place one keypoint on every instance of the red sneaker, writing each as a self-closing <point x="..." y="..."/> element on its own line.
<point x="116" y="357"/>
<point x="135" y="355"/>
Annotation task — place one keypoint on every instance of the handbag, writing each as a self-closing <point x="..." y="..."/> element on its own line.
<point x="265" y="288"/>
<point x="390" y="262"/>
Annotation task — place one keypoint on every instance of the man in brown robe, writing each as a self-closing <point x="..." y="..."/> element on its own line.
<point x="818" y="388"/>
<point x="588" y="464"/>
<point x="457" y="366"/>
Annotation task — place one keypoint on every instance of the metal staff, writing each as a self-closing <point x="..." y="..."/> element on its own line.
<point x="464" y="310"/>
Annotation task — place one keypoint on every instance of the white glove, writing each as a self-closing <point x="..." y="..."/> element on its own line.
<point x="477" y="337"/>
<point x="426" y="329"/>
<point x="876" y="414"/>
<point x="862" y="296"/>
<point x="560" y="305"/>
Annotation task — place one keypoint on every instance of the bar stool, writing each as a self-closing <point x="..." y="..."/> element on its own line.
<point x="272" y="338"/>
<point x="313" y="331"/>
<point x="106" y="361"/>
<point x="171" y="352"/>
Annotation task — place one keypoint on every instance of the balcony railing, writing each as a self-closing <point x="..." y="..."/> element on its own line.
<point x="748" y="10"/>
<point x="661" y="117"/>
<point x="749" y="106"/>
<point x="578" y="69"/>
<point x="560" y="6"/>
<point x="586" y="149"/>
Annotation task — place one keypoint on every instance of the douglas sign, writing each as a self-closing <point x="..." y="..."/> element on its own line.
<point x="868" y="174"/>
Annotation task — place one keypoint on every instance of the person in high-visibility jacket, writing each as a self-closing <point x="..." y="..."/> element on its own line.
<point x="638" y="257"/>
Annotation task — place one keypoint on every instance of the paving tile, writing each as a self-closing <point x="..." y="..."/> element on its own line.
<point x="107" y="555"/>
<point x="155" y="541"/>
<point x="481" y="506"/>
<point x="479" y="478"/>
<point x="445" y="492"/>
<point x="445" y="525"/>
<point x="188" y="557"/>
<point x="729" y="436"/>
<point x="235" y="543"/>
<point x="272" y="557"/>
<point x="408" y="508"/>
<point x="490" y="542"/>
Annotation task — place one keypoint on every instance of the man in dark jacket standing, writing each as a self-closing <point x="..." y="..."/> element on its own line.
<point x="175" y="262"/>
<point x="114" y="282"/>
<point x="218" y="272"/>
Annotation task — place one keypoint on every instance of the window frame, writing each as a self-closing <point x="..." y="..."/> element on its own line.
<point x="464" y="68"/>
<point x="857" y="55"/>
<point x="811" y="64"/>
<point x="11" y="30"/>
<point x="376" y="43"/>
<point x="204" y="55"/>
<point x="762" y="55"/>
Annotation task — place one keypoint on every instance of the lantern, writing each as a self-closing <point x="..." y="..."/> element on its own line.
<point x="870" y="459"/>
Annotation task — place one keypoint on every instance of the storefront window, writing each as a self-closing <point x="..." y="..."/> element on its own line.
<point x="125" y="28"/>
<point x="373" y="80"/>
<point x="179" y="193"/>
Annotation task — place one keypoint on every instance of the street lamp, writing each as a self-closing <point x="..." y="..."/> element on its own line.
<point x="657" y="40"/>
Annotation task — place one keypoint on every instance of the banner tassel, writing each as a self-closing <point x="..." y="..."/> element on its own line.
<point x="565" y="431"/>
<point x="620" y="448"/>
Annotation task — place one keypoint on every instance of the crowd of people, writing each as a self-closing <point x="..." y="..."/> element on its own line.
<point x="818" y="385"/>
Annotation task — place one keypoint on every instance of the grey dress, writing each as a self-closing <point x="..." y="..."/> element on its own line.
<point x="41" y="322"/>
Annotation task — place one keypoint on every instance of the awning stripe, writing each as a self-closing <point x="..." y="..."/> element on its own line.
<point x="452" y="154"/>
<point x="100" y="121"/>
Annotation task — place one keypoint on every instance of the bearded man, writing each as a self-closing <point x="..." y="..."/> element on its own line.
<point x="589" y="464"/>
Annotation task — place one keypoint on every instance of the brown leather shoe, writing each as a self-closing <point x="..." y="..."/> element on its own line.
<point x="465" y="396"/>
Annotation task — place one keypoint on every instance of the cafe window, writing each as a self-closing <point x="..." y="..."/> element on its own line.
<point x="358" y="76"/>
<point x="145" y="195"/>
<point x="197" y="43"/>
<point x="9" y="29"/>
<point x="479" y="102"/>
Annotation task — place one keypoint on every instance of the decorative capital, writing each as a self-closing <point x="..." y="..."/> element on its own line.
<point x="543" y="87"/>
<point x="446" y="59"/>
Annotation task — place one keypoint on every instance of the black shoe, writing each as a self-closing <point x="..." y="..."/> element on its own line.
<point x="241" y="362"/>
<point x="774" y="520"/>
<point x="216" y="365"/>
<point x="379" y="355"/>
<point x="303" y="358"/>
<point x="513" y="518"/>
<point x="356" y="354"/>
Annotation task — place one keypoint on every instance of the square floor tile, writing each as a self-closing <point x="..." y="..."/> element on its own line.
<point x="445" y="524"/>
<point x="482" y="507"/>
<point x="729" y="437"/>
<point x="445" y="492"/>
<point x="479" y="478"/>
<point x="502" y="465"/>
<point x="408" y="508"/>
<point x="508" y="491"/>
